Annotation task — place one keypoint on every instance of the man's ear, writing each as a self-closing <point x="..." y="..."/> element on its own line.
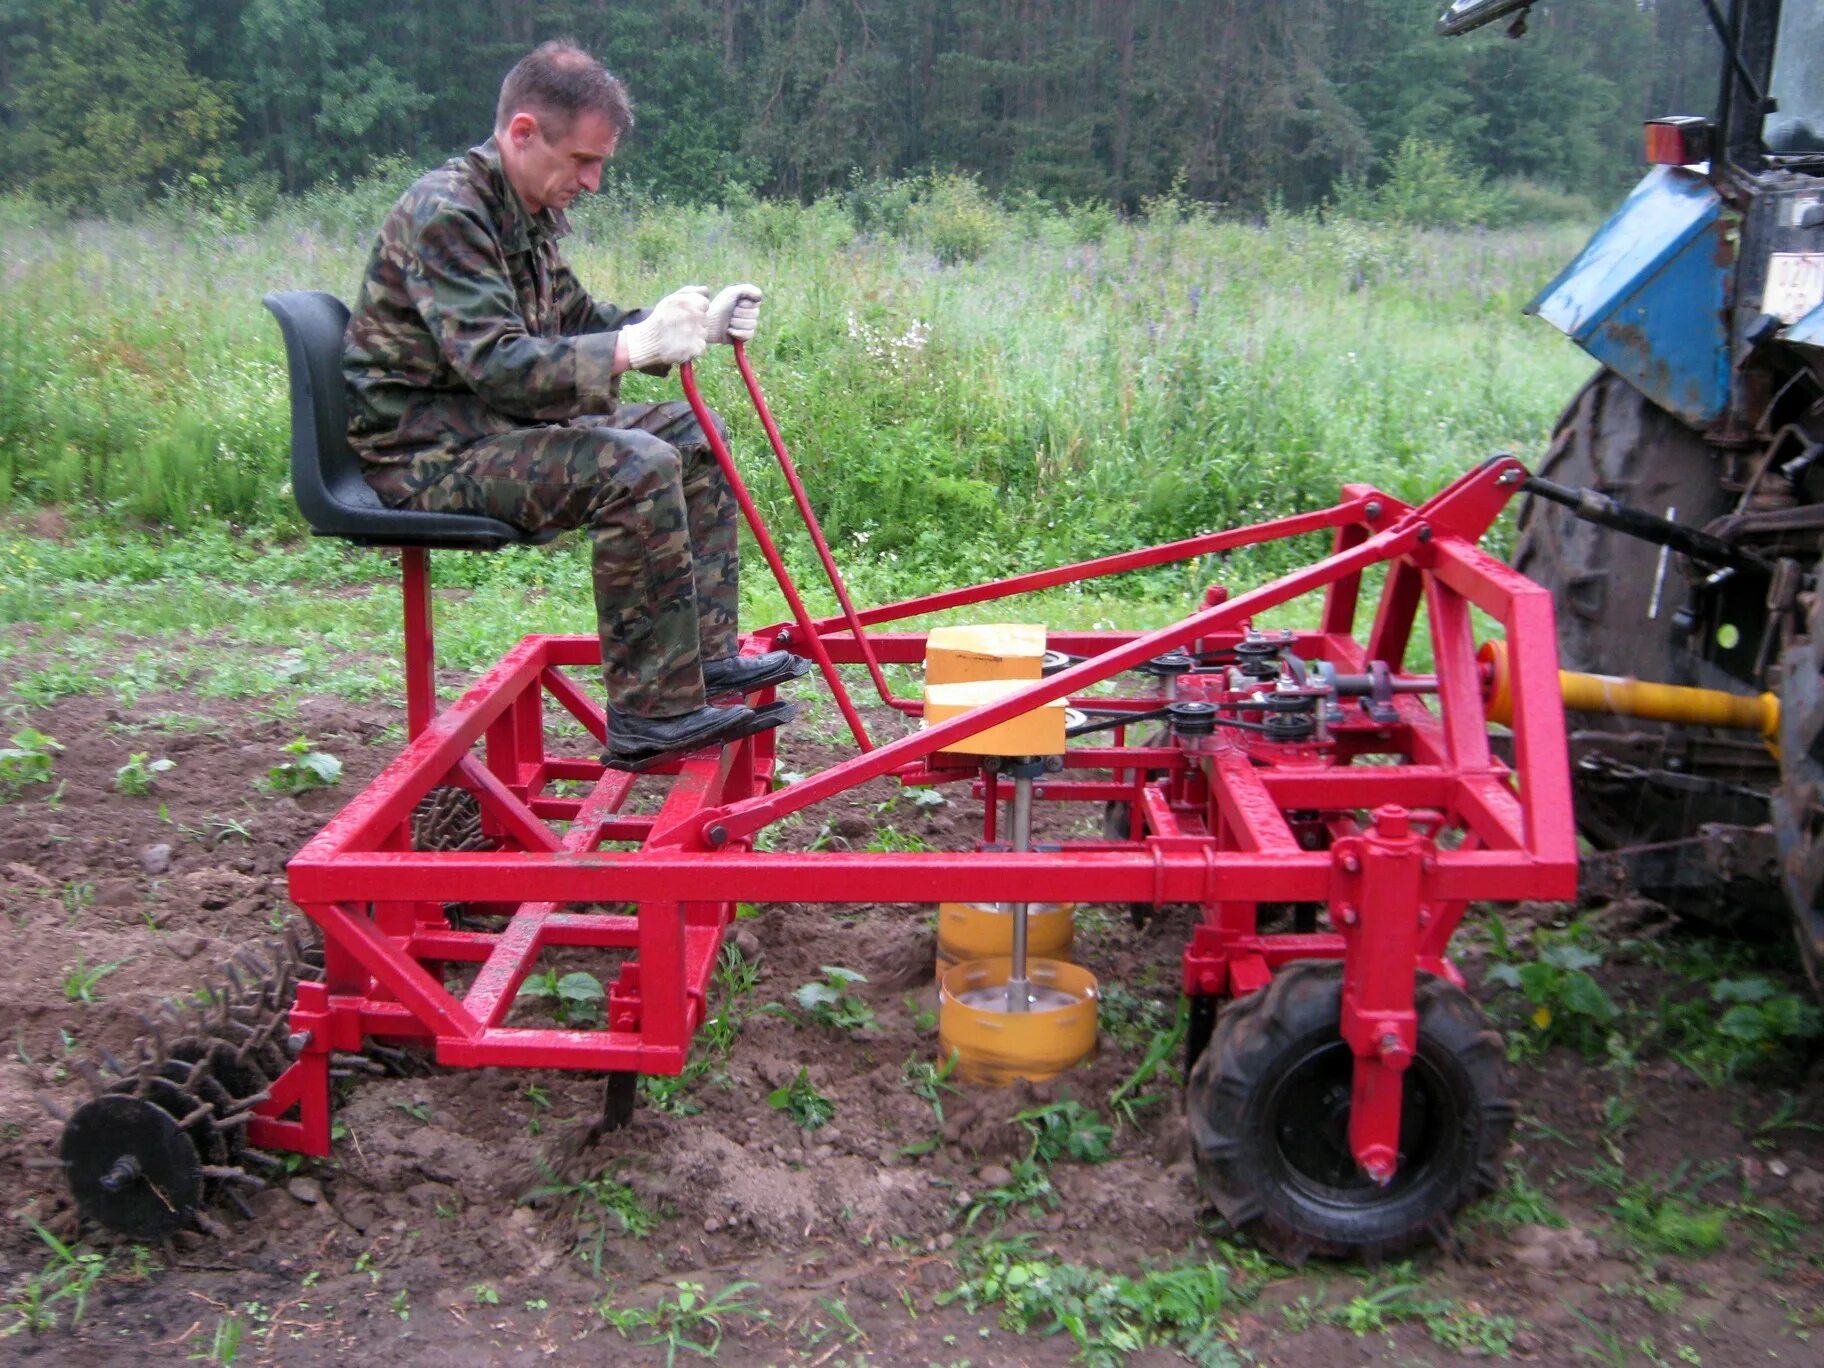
<point x="522" y="127"/>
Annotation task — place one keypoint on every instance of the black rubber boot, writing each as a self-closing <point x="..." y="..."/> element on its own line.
<point x="744" y="674"/>
<point x="744" y="722"/>
<point x="632" y="737"/>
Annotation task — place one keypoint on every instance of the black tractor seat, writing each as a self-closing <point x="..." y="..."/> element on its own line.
<point x="326" y="474"/>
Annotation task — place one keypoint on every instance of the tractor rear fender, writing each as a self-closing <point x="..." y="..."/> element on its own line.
<point x="1649" y="296"/>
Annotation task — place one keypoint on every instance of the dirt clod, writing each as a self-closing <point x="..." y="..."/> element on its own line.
<point x="1546" y="1250"/>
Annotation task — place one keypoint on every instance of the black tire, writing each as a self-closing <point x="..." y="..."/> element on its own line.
<point x="1611" y="438"/>
<point x="1269" y="1107"/>
<point x="1798" y="802"/>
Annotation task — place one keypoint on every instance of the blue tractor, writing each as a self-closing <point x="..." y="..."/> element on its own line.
<point x="1700" y="442"/>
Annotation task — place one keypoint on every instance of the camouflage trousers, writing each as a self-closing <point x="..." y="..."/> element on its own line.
<point x="661" y="522"/>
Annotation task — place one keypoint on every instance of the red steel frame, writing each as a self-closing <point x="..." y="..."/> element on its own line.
<point x="1402" y="844"/>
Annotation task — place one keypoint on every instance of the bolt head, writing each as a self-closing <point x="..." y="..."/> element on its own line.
<point x="1378" y="1163"/>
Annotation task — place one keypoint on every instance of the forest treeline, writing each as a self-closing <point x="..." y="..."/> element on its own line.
<point x="105" y="103"/>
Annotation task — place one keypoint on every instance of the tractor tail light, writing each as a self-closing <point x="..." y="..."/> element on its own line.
<point x="1679" y="140"/>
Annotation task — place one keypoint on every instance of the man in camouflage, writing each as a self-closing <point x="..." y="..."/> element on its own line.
<point x="483" y="379"/>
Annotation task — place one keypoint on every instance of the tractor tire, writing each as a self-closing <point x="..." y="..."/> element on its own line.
<point x="1798" y="802"/>
<point x="1268" y="1107"/>
<point x="1611" y="438"/>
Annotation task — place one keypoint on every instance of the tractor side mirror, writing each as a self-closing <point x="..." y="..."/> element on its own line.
<point x="1465" y="15"/>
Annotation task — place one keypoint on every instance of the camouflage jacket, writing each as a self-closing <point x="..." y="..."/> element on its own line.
<point x="468" y="322"/>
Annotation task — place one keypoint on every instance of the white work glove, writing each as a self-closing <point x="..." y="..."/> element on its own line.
<point x="734" y="314"/>
<point x="673" y="333"/>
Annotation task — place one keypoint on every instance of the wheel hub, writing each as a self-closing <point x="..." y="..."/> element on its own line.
<point x="1309" y="1111"/>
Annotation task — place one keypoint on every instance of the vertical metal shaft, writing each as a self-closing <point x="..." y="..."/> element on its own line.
<point x="1019" y="991"/>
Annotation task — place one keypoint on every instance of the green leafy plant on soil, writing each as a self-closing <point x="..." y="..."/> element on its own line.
<point x="890" y="839"/>
<point x="81" y="979"/>
<point x="929" y="1080"/>
<point x="1515" y="1203"/>
<point x="68" y="1276"/>
<point x="809" y="1109"/>
<point x="1741" y="1024"/>
<point x="309" y="769"/>
<point x="1127" y="1101"/>
<point x="715" y="1043"/>
<point x="829" y="1002"/>
<point x="1109" y="1315"/>
<point x="1665" y="1213"/>
<point x="140" y="774"/>
<point x="691" y="1321"/>
<point x="28" y="760"/>
<point x="1568" y="1005"/>
<point x="576" y="997"/>
<point x="224" y="1345"/>
<point x="1029" y="1186"/>
<point x="599" y="1209"/>
<point x="1394" y="1296"/>
<point x="1128" y="1019"/>
<point x="1066" y="1129"/>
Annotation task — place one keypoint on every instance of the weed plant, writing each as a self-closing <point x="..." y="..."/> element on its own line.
<point x="690" y="1322"/>
<point x="828" y="1001"/>
<point x="309" y="768"/>
<point x="1066" y="1129"/>
<point x="36" y="1300"/>
<point x="28" y="760"/>
<point x="575" y="998"/>
<point x="734" y="982"/>
<point x="1110" y="1316"/>
<point x="81" y="981"/>
<point x="929" y="1080"/>
<point x="139" y="776"/>
<point x="809" y="1109"/>
<point x="599" y="1209"/>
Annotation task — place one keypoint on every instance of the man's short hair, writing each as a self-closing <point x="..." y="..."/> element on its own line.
<point x="556" y="82"/>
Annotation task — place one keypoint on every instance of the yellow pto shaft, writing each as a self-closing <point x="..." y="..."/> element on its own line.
<point x="1635" y="698"/>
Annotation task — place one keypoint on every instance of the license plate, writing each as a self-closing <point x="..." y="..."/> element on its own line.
<point x="1795" y="285"/>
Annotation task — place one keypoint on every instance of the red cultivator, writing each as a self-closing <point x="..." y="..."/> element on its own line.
<point x="1351" y="1097"/>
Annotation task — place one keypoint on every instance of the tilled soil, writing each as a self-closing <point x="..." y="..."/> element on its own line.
<point x="418" y="1238"/>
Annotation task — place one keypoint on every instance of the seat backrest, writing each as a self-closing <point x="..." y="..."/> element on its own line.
<point x="325" y="472"/>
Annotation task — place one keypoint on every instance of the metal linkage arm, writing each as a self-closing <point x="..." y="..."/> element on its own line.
<point x="813" y="642"/>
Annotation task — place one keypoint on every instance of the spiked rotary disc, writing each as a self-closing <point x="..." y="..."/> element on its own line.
<point x="131" y="1167"/>
<point x="164" y="1134"/>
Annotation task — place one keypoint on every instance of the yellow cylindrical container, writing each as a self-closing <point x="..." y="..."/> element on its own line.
<point x="994" y="1046"/>
<point x="973" y="931"/>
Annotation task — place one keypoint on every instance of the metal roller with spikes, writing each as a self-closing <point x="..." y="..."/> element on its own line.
<point x="163" y="1135"/>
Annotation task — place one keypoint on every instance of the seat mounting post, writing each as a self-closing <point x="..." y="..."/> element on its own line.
<point x="420" y="645"/>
